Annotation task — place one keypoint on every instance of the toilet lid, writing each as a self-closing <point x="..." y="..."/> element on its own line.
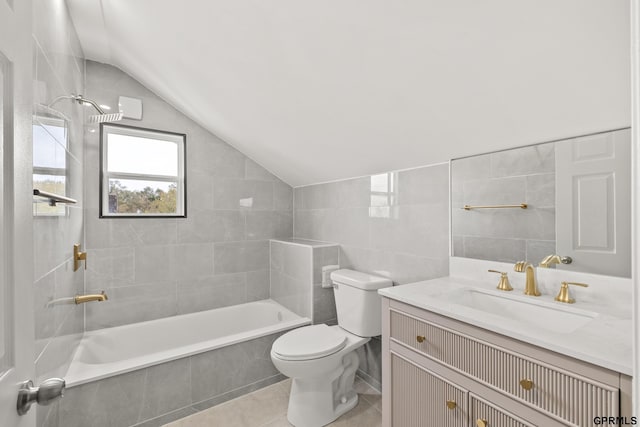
<point x="309" y="342"/>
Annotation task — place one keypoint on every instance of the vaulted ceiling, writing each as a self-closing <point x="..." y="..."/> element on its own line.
<point x="322" y="90"/>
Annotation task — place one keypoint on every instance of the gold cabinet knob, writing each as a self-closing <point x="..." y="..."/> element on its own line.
<point x="482" y="423"/>
<point x="420" y="338"/>
<point x="526" y="384"/>
<point x="451" y="404"/>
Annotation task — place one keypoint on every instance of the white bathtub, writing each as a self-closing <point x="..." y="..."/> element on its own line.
<point x="112" y="351"/>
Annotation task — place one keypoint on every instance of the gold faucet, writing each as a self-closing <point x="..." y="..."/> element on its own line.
<point x="555" y="259"/>
<point x="531" y="287"/>
<point x="79" y="299"/>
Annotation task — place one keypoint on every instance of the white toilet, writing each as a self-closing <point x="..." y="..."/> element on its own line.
<point x="321" y="359"/>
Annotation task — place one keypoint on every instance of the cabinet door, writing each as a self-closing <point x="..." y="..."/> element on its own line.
<point x="485" y="414"/>
<point x="421" y="398"/>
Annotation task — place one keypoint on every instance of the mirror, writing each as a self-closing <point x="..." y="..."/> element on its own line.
<point x="50" y="159"/>
<point x="577" y="202"/>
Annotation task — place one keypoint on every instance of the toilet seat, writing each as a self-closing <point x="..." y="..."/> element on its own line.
<point x="309" y="342"/>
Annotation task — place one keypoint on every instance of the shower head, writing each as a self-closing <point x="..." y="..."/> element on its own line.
<point x="96" y="118"/>
<point x="102" y="118"/>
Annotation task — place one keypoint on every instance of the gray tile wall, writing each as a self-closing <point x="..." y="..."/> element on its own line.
<point x="324" y="304"/>
<point x="217" y="256"/>
<point x="395" y="225"/>
<point x="58" y="69"/>
<point x="521" y="175"/>
<point x="291" y="276"/>
<point x="165" y="392"/>
<point x="296" y="278"/>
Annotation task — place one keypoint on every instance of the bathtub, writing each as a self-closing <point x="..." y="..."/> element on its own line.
<point x="113" y="351"/>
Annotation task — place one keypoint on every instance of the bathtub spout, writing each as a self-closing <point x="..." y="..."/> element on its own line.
<point x="79" y="299"/>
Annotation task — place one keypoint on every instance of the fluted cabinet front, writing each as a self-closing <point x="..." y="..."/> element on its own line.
<point x="420" y="398"/>
<point x="551" y="390"/>
<point x="484" y="414"/>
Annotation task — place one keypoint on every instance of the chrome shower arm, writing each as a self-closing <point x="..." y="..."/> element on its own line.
<point x="79" y="99"/>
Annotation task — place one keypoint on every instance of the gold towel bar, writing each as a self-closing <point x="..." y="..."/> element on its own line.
<point x="521" y="206"/>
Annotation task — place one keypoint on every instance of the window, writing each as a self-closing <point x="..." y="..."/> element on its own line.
<point x="142" y="172"/>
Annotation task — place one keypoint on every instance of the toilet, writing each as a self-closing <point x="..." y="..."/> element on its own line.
<point x="321" y="360"/>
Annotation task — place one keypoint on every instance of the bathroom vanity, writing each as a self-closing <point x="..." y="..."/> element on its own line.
<point x="448" y="360"/>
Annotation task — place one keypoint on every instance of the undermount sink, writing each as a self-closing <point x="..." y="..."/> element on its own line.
<point x="536" y="314"/>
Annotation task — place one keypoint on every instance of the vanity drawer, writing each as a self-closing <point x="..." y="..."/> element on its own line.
<point x="422" y="398"/>
<point x="484" y="414"/>
<point x="564" y="395"/>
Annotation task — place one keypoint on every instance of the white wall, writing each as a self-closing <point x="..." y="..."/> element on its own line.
<point x="635" y="193"/>
<point x="319" y="91"/>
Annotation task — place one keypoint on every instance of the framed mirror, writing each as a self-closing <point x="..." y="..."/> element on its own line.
<point x="570" y="197"/>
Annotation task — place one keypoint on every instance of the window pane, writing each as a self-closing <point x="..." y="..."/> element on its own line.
<point x="129" y="196"/>
<point x="51" y="184"/>
<point x="132" y="154"/>
<point x="48" y="151"/>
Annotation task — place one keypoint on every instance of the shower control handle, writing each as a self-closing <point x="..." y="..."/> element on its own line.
<point x="48" y="391"/>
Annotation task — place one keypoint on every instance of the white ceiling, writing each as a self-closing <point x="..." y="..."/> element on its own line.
<point x="322" y="90"/>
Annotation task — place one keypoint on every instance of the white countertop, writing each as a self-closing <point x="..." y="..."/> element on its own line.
<point x="605" y="340"/>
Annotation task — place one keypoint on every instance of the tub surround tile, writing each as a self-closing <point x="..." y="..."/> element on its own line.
<point x="227" y="193"/>
<point x="282" y="197"/>
<point x="217" y="238"/>
<point x="167" y="387"/>
<point x="115" y="401"/>
<point x="258" y="285"/>
<point x="212" y="226"/>
<point x="237" y="257"/>
<point x="111" y="267"/>
<point x="215" y="373"/>
<point x="291" y="276"/>
<point x="158" y="394"/>
<point x="211" y="292"/>
<point x="131" y="304"/>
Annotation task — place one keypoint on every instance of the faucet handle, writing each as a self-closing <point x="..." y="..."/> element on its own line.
<point x="563" y="295"/>
<point x="504" y="284"/>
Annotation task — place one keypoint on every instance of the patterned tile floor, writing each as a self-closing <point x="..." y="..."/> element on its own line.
<point x="267" y="407"/>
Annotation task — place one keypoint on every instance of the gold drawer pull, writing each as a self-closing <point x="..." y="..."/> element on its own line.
<point x="526" y="384"/>
<point x="482" y="423"/>
<point x="420" y="338"/>
<point x="451" y="404"/>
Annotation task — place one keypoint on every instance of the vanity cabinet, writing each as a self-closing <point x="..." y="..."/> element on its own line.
<point x="494" y="381"/>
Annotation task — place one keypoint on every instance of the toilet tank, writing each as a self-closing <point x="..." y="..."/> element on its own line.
<point x="358" y="304"/>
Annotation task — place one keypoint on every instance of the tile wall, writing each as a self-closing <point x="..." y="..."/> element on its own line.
<point x="291" y="274"/>
<point x="58" y="68"/>
<point x="296" y="277"/>
<point x="515" y="176"/>
<point x="394" y="224"/>
<point x="217" y="256"/>
<point x="156" y="395"/>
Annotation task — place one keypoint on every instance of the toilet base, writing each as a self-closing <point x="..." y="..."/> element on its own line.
<point x="316" y="402"/>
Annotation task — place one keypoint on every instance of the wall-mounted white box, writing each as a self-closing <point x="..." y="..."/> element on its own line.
<point x="130" y="107"/>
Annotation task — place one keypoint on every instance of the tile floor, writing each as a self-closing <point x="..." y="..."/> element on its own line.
<point x="267" y="407"/>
